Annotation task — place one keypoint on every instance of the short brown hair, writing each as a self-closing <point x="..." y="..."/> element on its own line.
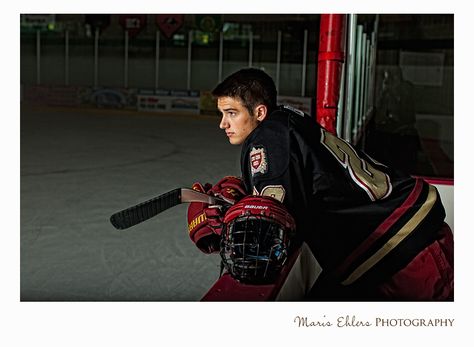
<point x="252" y="86"/>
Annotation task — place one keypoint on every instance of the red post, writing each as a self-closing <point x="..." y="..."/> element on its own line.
<point x="330" y="63"/>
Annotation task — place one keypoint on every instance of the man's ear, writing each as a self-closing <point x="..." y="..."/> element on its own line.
<point x="261" y="112"/>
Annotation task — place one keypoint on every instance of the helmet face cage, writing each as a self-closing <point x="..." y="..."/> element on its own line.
<point x="254" y="248"/>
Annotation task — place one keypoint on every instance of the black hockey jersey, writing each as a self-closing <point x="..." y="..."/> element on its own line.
<point x="363" y="220"/>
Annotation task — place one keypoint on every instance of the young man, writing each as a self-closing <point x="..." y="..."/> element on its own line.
<point x="377" y="233"/>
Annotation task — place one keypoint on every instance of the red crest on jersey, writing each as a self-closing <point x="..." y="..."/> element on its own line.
<point x="258" y="160"/>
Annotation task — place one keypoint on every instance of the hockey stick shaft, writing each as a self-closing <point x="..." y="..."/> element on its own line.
<point x="139" y="213"/>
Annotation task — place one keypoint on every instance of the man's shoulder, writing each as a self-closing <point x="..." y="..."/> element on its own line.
<point x="278" y="125"/>
<point x="272" y="128"/>
<point x="292" y="116"/>
<point x="291" y="111"/>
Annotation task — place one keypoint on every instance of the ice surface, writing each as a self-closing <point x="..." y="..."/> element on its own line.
<point x="80" y="166"/>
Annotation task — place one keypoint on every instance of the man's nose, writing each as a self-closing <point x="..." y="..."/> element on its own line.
<point x="223" y="124"/>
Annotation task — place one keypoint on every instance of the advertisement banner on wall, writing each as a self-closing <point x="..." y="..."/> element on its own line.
<point x="41" y="22"/>
<point x="169" y="101"/>
<point x="75" y="96"/>
<point x="133" y="23"/>
<point x="53" y="95"/>
<point x="208" y="23"/>
<point x="169" y="24"/>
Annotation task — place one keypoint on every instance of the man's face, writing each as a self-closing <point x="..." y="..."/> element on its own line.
<point x="237" y="122"/>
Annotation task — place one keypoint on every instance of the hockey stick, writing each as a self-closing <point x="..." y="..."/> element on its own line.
<point x="139" y="213"/>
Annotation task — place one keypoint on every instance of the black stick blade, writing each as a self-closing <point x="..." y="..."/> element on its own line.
<point x="136" y="214"/>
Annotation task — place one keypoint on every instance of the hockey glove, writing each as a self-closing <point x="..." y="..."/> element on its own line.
<point x="199" y="214"/>
<point x="205" y="222"/>
<point x="230" y="188"/>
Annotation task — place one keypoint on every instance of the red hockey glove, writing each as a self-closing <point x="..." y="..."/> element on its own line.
<point x="205" y="222"/>
<point x="230" y="188"/>
<point x="201" y="219"/>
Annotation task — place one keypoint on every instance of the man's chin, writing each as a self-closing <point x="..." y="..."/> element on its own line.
<point x="234" y="141"/>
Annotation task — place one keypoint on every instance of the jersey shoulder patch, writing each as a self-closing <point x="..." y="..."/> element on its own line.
<point x="258" y="160"/>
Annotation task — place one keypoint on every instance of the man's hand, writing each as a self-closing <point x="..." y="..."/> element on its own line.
<point x="230" y="188"/>
<point x="204" y="221"/>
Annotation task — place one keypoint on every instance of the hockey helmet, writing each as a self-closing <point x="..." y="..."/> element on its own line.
<point x="256" y="238"/>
